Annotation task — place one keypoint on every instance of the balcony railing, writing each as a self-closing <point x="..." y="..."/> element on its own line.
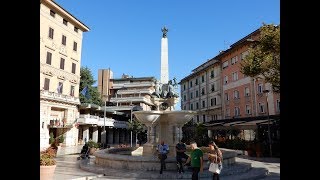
<point x="131" y="99"/>
<point x="45" y="94"/>
<point x="96" y="120"/>
<point x="135" y="91"/>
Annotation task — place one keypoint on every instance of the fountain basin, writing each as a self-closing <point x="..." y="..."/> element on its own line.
<point x="115" y="158"/>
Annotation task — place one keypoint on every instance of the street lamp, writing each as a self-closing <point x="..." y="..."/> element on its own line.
<point x="269" y="134"/>
<point x="131" y="124"/>
<point x="104" y="135"/>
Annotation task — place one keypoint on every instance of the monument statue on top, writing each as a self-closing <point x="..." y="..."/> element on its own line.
<point x="164" y="32"/>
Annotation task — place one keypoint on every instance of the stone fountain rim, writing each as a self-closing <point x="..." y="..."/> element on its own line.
<point x="165" y="112"/>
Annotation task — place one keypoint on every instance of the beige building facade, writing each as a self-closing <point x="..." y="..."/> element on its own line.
<point x="201" y="92"/>
<point x="60" y="59"/>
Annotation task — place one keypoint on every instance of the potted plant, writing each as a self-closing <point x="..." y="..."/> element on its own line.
<point x="93" y="146"/>
<point x="47" y="163"/>
<point x="61" y="139"/>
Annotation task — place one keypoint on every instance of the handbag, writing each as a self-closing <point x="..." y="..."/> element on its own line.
<point x="215" y="167"/>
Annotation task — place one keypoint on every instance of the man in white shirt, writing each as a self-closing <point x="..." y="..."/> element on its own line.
<point x="163" y="150"/>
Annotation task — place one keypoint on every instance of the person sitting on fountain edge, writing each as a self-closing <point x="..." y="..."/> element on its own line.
<point x="180" y="154"/>
<point x="163" y="150"/>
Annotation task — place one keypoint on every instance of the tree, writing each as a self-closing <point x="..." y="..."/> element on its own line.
<point x="87" y="80"/>
<point x="137" y="128"/>
<point x="264" y="56"/>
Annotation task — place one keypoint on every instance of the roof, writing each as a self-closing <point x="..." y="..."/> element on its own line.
<point x="133" y="79"/>
<point x="198" y="69"/>
<point x="64" y="12"/>
<point x="246" y="39"/>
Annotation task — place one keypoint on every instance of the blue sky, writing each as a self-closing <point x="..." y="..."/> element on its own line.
<point x="125" y="35"/>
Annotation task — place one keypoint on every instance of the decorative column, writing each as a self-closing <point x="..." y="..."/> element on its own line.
<point x="116" y="136"/>
<point x="110" y="136"/>
<point x="164" y="71"/>
<point x="95" y="134"/>
<point x="85" y="134"/>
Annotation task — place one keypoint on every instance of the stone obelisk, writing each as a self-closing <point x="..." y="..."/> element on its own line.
<point x="164" y="72"/>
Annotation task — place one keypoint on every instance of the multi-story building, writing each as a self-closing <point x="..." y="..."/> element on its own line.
<point x="104" y="83"/>
<point x="245" y="102"/>
<point x="244" y="96"/>
<point x="60" y="57"/>
<point x="201" y="92"/>
<point x="121" y="96"/>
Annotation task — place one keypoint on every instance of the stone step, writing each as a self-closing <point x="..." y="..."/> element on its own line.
<point x="239" y="170"/>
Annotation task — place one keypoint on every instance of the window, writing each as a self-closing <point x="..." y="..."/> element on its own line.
<point x="244" y="54"/>
<point x="204" y="118"/>
<point x="191" y="106"/>
<point x="196" y="81"/>
<point x="42" y="125"/>
<point x="64" y="40"/>
<point x="184" y="107"/>
<point x="202" y="78"/>
<point x="236" y="111"/>
<point x="278" y="105"/>
<point x="46" y="84"/>
<point x="248" y="109"/>
<point x="197" y="105"/>
<point x="212" y="87"/>
<point x="75" y="29"/>
<point x="225" y="64"/>
<point x="203" y="104"/>
<point x="246" y="91"/>
<point x="72" y="91"/>
<point x="215" y="117"/>
<point x="197" y="118"/>
<point x="202" y="91"/>
<point x="73" y="68"/>
<point x="190" y="83"/>
<point x="52" y="13"/>
<point x="65" y="22"/>
<point x="184" y="87"/>
<point x="225" y="80"/>
<point x="261" y="107"/>
<point x="184" y="97"/>
<point x="260" y="88"/>
<point x="212" y="74"/>
<point x="49" y="57"/>
<point x="197" y="93"/>
<point x="60" y="88"/>
<point x="235" y="76"/>
<point x="51" y="31"/>
<point x="62" y="63"/>
<point x="226" y="96"/>
<point x="234" y="60"/>
<point x="236" y="94"/>
<point x="191" y="95"/>
<point x="75" y="46"/>
<point x="227" y="112"/>
<point x="213" y="101"/>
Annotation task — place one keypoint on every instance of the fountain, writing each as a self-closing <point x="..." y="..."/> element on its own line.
<point x="163" y="123"/>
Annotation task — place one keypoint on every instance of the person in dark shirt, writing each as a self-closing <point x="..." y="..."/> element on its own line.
<point x="180" y="154"/>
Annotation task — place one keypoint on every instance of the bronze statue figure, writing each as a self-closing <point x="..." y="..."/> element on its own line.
<point x="164" y="31"/>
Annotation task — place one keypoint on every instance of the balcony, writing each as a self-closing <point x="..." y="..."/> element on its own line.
<point x="131" y="99"/>
<point x="59" y="124"/>
<point x="96" y="120"/>
<point x="135" y="91"/>
<point x="45" y="94"/>
<point x="133" y="84"/>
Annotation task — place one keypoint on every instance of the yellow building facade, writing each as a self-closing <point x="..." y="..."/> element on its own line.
<point x="60" y="60"/>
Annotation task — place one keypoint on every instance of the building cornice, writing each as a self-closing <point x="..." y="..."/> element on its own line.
<point x="65" y="14"/>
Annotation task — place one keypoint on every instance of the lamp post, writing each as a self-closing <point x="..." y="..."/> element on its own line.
<point x="104" y="135"/>
<point x="131" y="124"/>
<point x="269" y="134"/>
